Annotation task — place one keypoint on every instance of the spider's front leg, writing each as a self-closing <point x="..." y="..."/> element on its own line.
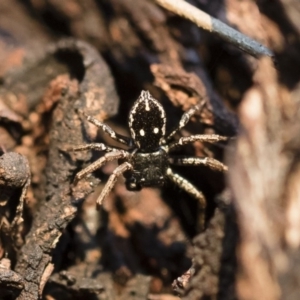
<point x="190" y="189"/>
<point x="196" y="161"/>
<point x="185" y="118"/>
<point x="115" y="154"/>
<point x="115" y="136"/>
<point x="112" y="180"/>
<point x="93" y="146"/>
<point x="207" y="138"/>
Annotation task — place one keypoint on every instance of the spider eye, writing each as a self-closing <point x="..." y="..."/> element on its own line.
<point x="132" y="185"/>
<point x="147" y="122"/>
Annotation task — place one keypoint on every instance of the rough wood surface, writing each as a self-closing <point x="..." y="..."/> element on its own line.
<point x="92" y="90"/>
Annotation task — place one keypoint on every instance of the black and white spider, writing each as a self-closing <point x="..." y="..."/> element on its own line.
<point x="147" y="162"/>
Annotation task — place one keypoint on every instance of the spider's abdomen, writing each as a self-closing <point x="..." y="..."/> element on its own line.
<point x="149" y="169"/>
<point x="147" y="123"/>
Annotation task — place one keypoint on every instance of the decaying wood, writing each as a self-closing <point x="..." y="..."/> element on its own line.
<point x="14" y="182"/>
<point x="10" y="281"/>
<point x="94" y="91"/>
<point x="212" y="274"/>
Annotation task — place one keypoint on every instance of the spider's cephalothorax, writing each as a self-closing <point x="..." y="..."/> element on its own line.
<point x="147" y="124"/>
<point x="148" y="161"/>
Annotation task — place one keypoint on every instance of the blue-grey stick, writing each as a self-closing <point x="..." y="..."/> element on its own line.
<point x="213" y="25"/>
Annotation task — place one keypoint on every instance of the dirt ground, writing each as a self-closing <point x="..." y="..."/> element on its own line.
<point x="63" y="60"/>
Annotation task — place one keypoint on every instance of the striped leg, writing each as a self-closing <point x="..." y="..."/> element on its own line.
<point x="112" y="180"/>
<point x="116" y="154"/>
<point x="185" y="118"/>
<point x="196" y="161"/>
<point x="191" y="190"/>
<point x="93" y="146"/>
<point x="115" y="136"/>
<point x="206" y="138"/>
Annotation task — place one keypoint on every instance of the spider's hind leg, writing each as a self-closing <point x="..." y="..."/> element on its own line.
<point x="191" y="190"/>
<point x="112" y="180"/>
<point x="196" y="161"/>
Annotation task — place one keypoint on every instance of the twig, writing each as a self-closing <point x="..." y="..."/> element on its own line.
<point x="213" y="25"/>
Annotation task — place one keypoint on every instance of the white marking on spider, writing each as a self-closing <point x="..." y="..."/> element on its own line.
<point x="155" y="130"/>
<point x="147" y="105"/>
<point x="142" y="132"/>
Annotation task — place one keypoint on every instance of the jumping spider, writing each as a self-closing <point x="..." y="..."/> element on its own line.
<point x="147" y="161"/>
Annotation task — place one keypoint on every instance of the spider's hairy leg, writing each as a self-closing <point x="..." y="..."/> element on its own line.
<point x="190" y="189"/>
<point x="112" y="180"/>
<point x="116" y="154"/>
<point x="115" y="136"/>
<point x="185" y="118"/>
<point x="93" y="146"/>
<point x="206" y="138"/>
<point x="196" y="161"/>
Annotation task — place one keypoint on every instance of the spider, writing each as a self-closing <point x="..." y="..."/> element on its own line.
<point x="147" y="162"/>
